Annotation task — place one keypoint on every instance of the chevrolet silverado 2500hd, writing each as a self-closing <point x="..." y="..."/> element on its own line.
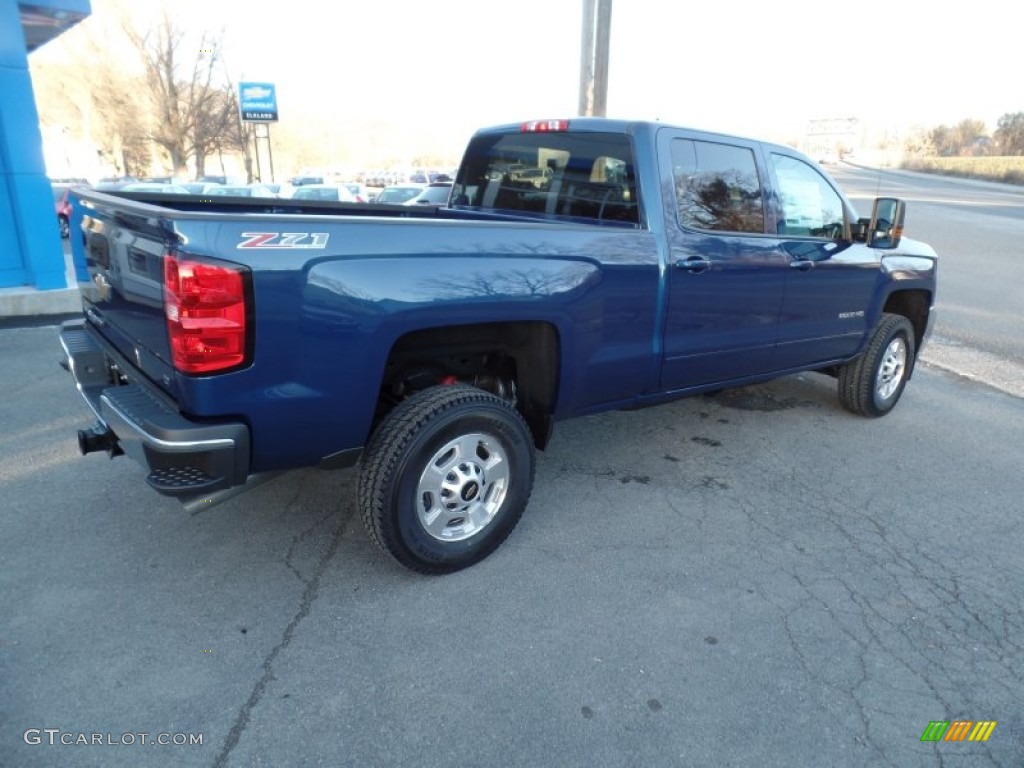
<point x="578" y="266"/>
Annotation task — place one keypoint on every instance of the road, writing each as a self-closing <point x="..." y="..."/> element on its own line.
<point x="977" y="229"/>
<point x="757" y="578"/>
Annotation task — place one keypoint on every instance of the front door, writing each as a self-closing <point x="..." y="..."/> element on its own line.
<point x="831" y="280"/>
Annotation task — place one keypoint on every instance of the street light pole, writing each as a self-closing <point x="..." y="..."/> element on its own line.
<point x="597" y="22"/>
<point x="587" y="59"/>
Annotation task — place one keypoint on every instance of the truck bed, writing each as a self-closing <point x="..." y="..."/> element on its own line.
<point x="332" y="288"/>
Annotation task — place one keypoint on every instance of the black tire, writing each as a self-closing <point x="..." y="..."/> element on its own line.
<point x="65" y="227"/>
<point x="871" y="384"/>
<point x="447" y="518"/>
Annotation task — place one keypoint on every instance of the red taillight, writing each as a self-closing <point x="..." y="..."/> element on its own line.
<point x="206" y="317"/>
<point x="544" y="126"/>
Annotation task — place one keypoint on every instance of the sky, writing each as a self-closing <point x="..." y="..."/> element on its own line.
<point x="423" y="71"/>
<point x="732" y="62"/>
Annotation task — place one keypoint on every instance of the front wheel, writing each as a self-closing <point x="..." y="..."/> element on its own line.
<point x="871" y="384"/>
<point x="446" y="477"/>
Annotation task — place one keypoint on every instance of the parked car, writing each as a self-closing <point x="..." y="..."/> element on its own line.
<point x="243" y="190"/>
<point x="287" y="189"/>
<point x="436" y="193"/>
<point x="399" y="193"/>
<point x="159" y="186"/>
<point x="199" y="187"/>
<point x="302" y="181"/>
<point x="232" y="181"/>
<point x="338" y="193"/>
<point x="63" y="208"/>
<point x="260" y="189"/>
<point x="359" y="192"/>
<point x="114" y="184"/>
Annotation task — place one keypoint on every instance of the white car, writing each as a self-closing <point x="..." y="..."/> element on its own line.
<point x="359" y="192"/>
<point x="397" y="194"/>
<point x="338" y="193"/>
<point x="199" y="187"/>
<point x="146" y="186"/>
<point x="248" y="190"/>
<point x="435" y="193"/>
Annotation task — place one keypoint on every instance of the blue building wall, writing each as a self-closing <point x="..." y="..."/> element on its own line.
<point x="30" y="246"/>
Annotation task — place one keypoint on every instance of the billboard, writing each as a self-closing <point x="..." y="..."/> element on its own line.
<point x="257" y="102"/>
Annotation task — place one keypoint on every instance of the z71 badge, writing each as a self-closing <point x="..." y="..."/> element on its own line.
<point x="283" y="240"/>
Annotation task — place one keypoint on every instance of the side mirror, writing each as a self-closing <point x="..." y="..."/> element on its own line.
<point x="886" y="226"/>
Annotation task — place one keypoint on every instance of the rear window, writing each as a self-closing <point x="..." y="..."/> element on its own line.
<point x="578" y="175"/>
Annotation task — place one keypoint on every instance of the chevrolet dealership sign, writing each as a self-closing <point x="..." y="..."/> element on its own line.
<point x="257" y="102"/>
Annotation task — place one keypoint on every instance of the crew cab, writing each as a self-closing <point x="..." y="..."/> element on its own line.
<point x="435" y="347"/>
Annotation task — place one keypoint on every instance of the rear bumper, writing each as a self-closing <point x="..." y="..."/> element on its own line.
<point x="184" y="458"/>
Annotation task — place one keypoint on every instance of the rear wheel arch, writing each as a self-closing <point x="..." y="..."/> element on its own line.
<point x="519" y="361"/>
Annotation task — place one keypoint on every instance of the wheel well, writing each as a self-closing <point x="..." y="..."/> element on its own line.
<point x="518" y="361"/>
<point x="914" y="306"/>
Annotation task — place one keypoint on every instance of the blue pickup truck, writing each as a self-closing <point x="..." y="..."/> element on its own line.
<point x="578" y="266"/>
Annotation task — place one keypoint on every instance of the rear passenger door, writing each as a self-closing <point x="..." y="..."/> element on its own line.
<point x="726" y="270"/>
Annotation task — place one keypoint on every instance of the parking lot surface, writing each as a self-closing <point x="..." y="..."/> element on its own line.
<point x="755" y="578"/>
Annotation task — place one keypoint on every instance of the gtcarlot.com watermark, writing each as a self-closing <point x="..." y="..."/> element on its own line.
<point x="56" y="736"/>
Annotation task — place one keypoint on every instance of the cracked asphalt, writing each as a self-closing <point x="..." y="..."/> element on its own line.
<point x="753" y="579"/>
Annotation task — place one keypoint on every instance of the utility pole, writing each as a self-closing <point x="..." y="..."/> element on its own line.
<point x="597" y="24"/>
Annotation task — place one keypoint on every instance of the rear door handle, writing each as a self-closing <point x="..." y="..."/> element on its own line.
<point x="694" y="264"/>
<point x="802" y="264"/>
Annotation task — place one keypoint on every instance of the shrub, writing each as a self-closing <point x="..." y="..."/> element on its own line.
<point x="1005" y="169"/>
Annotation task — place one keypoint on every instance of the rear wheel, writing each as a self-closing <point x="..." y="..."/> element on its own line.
<point x="871" y="384"/>
<point x="446" y="477"/>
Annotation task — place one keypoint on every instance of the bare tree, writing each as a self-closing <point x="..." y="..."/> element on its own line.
<point x="192" y="111"/>
<point x="957" y="140"/>
<point x="218" y="128"/>
<point x="1010" y="133"/>
<point x="970" y="136"/>
<point x="98" y="103"/>
<point x="236" y="135"/>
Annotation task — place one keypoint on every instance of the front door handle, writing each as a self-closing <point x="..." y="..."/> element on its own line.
<point x="694" y="264"/>
<point x="801" y="264"/>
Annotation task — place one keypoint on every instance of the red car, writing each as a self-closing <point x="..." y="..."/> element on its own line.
<point x="63" y="208"/>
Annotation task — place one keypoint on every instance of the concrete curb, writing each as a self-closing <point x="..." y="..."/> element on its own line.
<point x="27" y="301"/>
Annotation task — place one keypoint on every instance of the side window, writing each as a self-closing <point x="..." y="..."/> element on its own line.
<point x="809" y="206"/>
<point x="717" y="187"/>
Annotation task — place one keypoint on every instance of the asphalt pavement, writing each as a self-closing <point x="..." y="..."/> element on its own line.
<point x="757" y="578"/>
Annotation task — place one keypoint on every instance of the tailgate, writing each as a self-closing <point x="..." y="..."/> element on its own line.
<point x="123" y="293"/>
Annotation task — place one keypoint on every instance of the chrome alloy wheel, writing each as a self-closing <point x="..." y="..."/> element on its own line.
<point x="891" y="369"/>
<point x="462" y="487"/>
